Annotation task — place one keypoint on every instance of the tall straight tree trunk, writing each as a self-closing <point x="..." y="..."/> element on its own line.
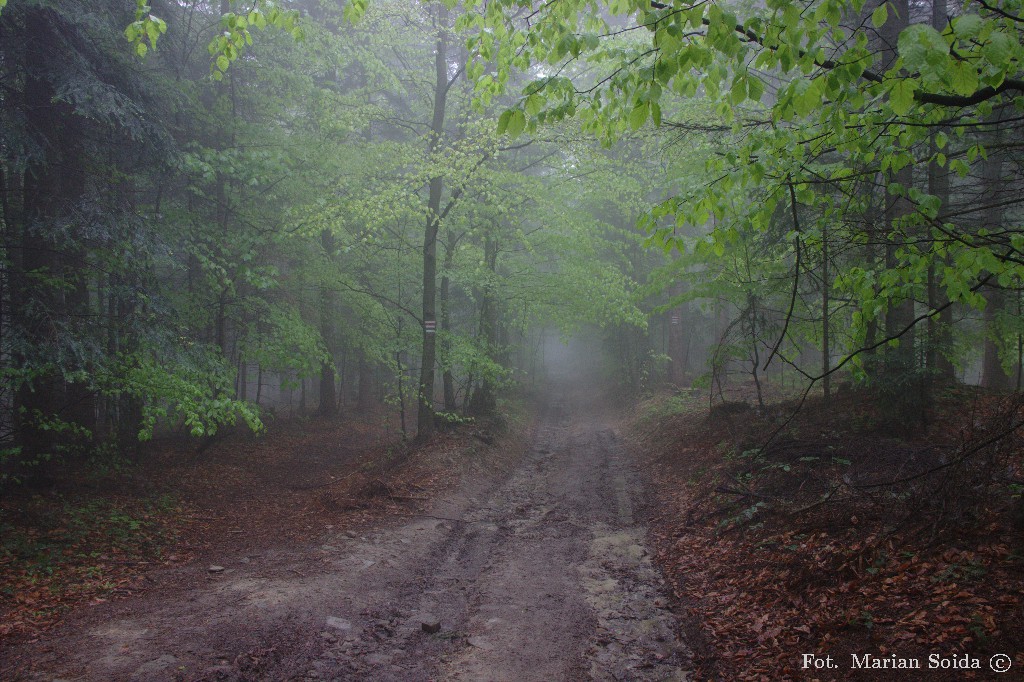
<point x="223" y="210"/>
<point x="993" y="375"/>
<point x="871" y="328"/>
<point x="79" y="397"/>
<point x="826" y="348"/>
<point x="1019" y="369"/>
<point x="900" y="313"/>
<point x="484" y="400"/>
<point x="243" y="378"/>
<point x="328" y="406"/>
<point x="129" y="407"/>
<point x="364" y="395"/>
<point x="676" y="341"/>
<point x="447" y="378"/>
<point x="425" y="397"/>
<point x="940" y="338"/>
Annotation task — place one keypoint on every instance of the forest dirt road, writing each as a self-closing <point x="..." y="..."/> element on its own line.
<point x="538" y="574"/>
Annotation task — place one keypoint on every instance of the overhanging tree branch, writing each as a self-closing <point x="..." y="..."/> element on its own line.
<point x="979" y="96"/>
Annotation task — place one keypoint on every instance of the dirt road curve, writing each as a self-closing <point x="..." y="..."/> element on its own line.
<point x="542" y="575"/>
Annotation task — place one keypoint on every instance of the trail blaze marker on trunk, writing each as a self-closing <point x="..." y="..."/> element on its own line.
<point x="675" y="319"/>
<point x="430" y="326"/>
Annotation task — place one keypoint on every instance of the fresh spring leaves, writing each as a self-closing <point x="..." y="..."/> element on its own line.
<point x="236" y="35"/>
<point x="229" y="44"/>
<point x="144" y="31"/>
<point x="844" y="111"/>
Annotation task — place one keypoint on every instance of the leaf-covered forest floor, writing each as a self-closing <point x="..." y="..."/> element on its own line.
<point x="848" y="533"/>
<point x="103" y="527"/>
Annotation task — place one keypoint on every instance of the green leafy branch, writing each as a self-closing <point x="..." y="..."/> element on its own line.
<point x="143" y="32"/>
<point x="228" y="45"/>
<point x="236" y="35"/>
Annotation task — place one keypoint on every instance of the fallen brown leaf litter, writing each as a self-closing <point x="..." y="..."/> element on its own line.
<point x="803" y="547"/>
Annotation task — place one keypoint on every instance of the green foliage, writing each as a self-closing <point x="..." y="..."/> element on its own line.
<point x="454" y="418"/>
<point x="195" y="244"/>
<point x="279" y="339"/>
<point x="470" y="357"/>
<point x="192" y="390"/>
<point x="236" y="34"/>
<point x="661" y="407"/>
<point x="227" y="45"/>
<point x="840" y="117"/>
<point x="144" y="32"/>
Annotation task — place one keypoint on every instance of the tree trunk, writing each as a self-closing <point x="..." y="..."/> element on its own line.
<point x="900" y="313"/>
<point x="826" y="349"/>
<point x="364" y="395"/>
<point x="425" y="397"/>
<point x="676" y="341"/>
<point x="447" y="378"/>
<point x="993" y="375"/>
<point x="940" y="340"/>
<point x="484" y="400"/>
<point x="898" y="365"/>
<point x="328" y="406"/>
<point x="243" y="379"/>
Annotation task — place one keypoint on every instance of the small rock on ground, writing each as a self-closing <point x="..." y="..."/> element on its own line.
<point x="338" y="623"/>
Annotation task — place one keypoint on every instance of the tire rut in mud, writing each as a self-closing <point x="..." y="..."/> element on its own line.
<point x="546" y="577"/>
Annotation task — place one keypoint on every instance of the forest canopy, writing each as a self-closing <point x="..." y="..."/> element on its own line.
<point x="215" y="211"/>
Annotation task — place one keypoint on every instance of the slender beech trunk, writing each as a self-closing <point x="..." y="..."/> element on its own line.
<point x="484" y="400"/>
<point x="364" y="395"/>
<point x="1020" y="344"/>
<point x="900" y="313"/>
<point x="940" y="339"/>
<point x="755" y="355"/>
<point x="225" y="87"/>
<point x="447" y="378"/>
<point x="400" y="373"/>
<point x="243" y="378"/>
<point x="993" y="375"/>
<point x="826" y="350"/>
<point x="328" y="406"/>
<point x="676" y="342"/>
<point x="425" y="397"/>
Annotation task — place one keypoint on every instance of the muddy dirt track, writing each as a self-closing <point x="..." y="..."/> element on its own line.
<point x="540" y="574"/>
